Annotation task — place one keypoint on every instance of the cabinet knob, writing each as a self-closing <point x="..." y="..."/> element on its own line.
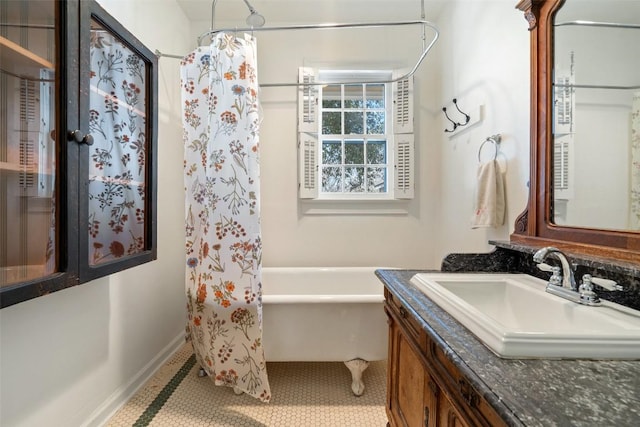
<point x="80" y="137"/>
<point x="403" y="312"/>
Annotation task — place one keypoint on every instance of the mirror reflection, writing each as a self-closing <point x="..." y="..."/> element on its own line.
<point x="596" y="115"/>
<point x="28" y="223"/>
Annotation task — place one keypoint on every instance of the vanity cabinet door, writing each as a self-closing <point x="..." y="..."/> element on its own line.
<point x="448" y="415"/>
<point x="424" y="388"/>
<point x="411" y="397"/>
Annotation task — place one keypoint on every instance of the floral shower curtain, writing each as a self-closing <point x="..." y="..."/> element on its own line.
<point x="634" y="214"/>
<point x="223" y="246"/>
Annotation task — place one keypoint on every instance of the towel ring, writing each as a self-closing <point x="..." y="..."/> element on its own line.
<point x="495" y="139"/>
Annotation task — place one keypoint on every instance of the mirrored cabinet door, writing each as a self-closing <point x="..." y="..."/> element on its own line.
<point x="78" y="132"/>
<point x="117" y="161"/>
<point x="118" y="155"/>
<point x="28" y="223"/>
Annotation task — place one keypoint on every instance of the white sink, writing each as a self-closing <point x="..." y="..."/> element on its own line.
<point x="514" y="316"/>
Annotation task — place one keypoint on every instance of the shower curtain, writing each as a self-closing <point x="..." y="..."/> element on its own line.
<point x="223" y="246"/>
<point x="634" y="214"/>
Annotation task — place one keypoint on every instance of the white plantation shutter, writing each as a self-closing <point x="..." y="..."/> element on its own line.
<point x="307" y="101"/>
<point x="562" y="164"/>
<point x="307" y="135"/>
<point x="403" y="136"/>
<point x="307" y="165"/>
<point x="564" y="106"/>
<point x="404" y="165"/>
<point x="402" y="104"/>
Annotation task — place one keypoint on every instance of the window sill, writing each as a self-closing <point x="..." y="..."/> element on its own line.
<point x="354" y="207"/>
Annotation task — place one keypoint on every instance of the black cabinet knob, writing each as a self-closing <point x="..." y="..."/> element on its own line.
<point x="80" y="137"/>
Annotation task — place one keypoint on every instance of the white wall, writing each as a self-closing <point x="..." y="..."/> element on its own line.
<point x="485" y="61"/>
<point x="67" y="358"/>
<point x="482" y="57"/>
<point x="293" y="238"/>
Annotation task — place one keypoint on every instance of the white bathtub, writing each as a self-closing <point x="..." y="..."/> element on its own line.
<point x="324" y="315"/>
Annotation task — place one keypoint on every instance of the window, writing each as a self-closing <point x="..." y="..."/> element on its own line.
<point x="355" y="139"/>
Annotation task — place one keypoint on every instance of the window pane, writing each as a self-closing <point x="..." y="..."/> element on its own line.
<point x="353" y="96"/>
<point x="376" y="152"/>
<point x="353" y="123"/>
<point x="375" y="123"/>
<point x="354" y="179"/>
<point x="376" y="180"/>
<point x="331" y="123"/>
<point x="331" y="96"/>
<point x="28" y="227"/>
<point x="117" y="162"/>
<point x="354" y="152"/>
<point x="375" y="96"/>
<point x="332" y="179"/>
<point x="331" y="152"/>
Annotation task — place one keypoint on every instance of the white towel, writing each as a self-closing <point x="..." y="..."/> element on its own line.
<point x="490" y="198"/>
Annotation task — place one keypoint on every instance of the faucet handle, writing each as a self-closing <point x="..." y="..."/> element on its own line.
<point x="587" y="295"/>
<point x="610" y="285"/>
<point x="556" y="275"/>
<point x="545" y="267"/>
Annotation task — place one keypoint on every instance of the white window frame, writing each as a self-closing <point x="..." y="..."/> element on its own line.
<point x="331" y="76"/>
<point x="398" y="132"/>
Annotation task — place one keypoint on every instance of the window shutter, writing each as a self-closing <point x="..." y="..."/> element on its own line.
<point x="402" y="104"/>
<point x="404" y="166"/>
<point x="562" y="165"/>
<point x="564" y="106"/>
<point x="403" y="136"/>
<point x="307" y="165"/>
<point x="307" y="101"/>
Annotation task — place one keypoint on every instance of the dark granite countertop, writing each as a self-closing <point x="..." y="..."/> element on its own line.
<point x="529" y="392"/>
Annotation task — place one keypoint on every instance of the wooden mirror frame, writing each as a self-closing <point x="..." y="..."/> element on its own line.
<point x="535" y="226"/>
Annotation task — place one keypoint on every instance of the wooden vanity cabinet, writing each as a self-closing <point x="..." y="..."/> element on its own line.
<point x="424" y="388"/>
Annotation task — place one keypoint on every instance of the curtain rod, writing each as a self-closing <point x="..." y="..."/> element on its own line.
<point x="581" y="86"/>
<point x="424" y="23"/>
<point x="597" y="24"/>
<point x="318" y="27"/>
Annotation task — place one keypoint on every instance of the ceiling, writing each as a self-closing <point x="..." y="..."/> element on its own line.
<point x="312" y="11"/>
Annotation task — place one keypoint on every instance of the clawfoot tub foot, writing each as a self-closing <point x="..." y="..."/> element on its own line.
<point x="203" y="373"/>
<point x="357" y="367"/>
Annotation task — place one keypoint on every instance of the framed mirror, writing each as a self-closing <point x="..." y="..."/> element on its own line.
<point x="585" y="127"/>
<point x="596" y="115"/>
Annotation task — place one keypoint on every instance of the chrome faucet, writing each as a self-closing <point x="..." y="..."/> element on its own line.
<point x="568" y="279"/>
<point x="563" y="283"/>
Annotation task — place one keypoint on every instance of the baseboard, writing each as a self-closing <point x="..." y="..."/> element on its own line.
<point x="118" y="398"/>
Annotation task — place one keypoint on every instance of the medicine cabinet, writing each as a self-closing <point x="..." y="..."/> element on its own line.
<point x="78" y="154"/>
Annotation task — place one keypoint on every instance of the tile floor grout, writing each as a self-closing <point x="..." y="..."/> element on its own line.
<point x="303" y="394"/>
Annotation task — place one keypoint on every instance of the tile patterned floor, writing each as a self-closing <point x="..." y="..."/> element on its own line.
<point x="305" y="394"/>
